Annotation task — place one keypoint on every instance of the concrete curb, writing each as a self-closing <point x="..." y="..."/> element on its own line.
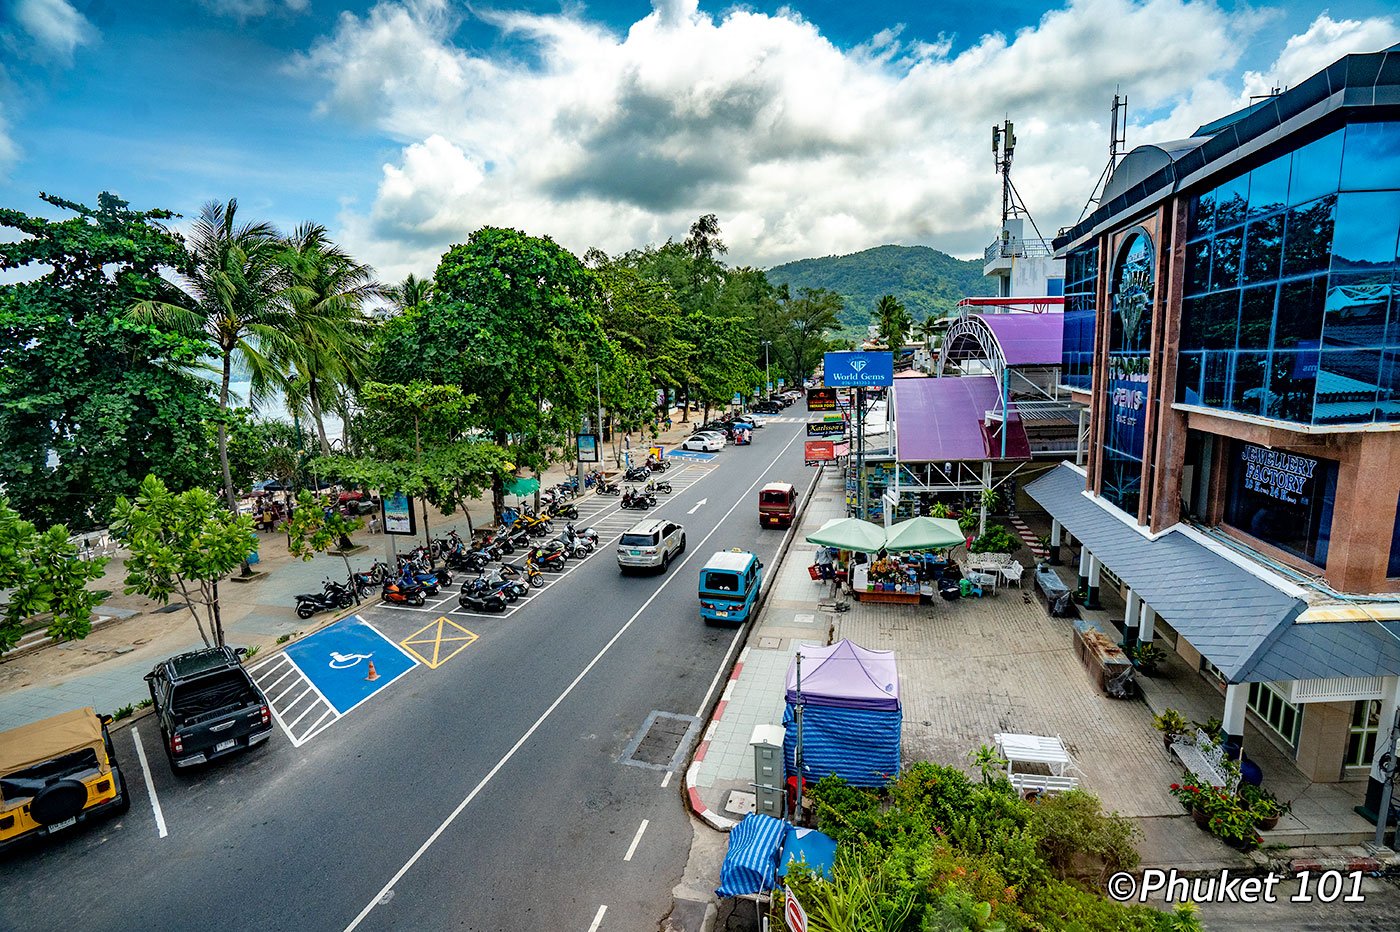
<point x="692" y="793"/>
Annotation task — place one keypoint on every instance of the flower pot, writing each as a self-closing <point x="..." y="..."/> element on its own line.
<point x="1269" y="823"/>
<point x="1201" y="819"/>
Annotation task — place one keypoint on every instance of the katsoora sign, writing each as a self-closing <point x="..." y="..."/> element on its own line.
<point x="857" y="370"/>
<point x="826" y="428"/>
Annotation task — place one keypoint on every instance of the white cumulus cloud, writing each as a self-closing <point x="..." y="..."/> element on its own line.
<point x="1325" y="41"/>
<point x="9" y="152"/>
<point x="801" y="147"/>
<point x="55" y="25"/>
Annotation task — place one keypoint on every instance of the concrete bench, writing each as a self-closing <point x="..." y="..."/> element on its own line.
<point x="1036" y="783"/>
<point x="1205" y="759"/>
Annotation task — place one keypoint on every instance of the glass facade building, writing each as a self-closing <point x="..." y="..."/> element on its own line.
<point x="1289" y="306"/>
<point x="1080" y="289"/>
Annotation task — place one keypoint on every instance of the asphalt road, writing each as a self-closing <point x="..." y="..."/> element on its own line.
<point x="489" y="793"/>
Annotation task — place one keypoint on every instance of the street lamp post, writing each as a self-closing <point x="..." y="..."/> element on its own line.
<point x="767" y="380"/>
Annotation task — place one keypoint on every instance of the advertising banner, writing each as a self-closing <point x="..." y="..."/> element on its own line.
<point x="826" y="428"/>
<point x="398" y="514"/>
<point x="819" y="451"/>
<point x="821" y="399"/>
<point x="842" y="449"/>
<point x="856" y="370"/>
<point x="588" y="448"/>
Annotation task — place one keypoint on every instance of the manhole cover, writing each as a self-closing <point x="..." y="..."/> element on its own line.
<point x="804" y="618"/>
<point x="770" y="643"/>
<point x="739" y="803"/>
<point x="664" y="738"/>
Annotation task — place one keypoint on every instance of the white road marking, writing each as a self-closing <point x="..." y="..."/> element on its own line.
<point x="150" y="784"/>
<point x="273" y="684"/>
<point x="544" y="716"/>
<point x="666" y="780"/>
<point x="598" y="919"/>
<point x="697" y="506"/>
<point x="636" y="840"/>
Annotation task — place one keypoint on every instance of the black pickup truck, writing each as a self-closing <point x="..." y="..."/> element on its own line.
<point x="207" y="706"/>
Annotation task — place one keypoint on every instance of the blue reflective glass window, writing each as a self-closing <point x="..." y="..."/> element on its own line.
<point x="1257" y="316"/>
<point x="1193" y="322"/>
<point x="1247" y="382"/>
<point x="1346" y="386"/>
<point x="1188" y="378"/>
<point x="1365" y="233"/>
<point x="1307" y="244"/>
<point x="1198" y="266"/>
<point x="1300" y="311"/>
<point x="1215" y="376"/>
<point x="1225" y="259"/>
<point x="1371" y="160"/>
<point x="1232" y="202"/>
<point x="1221" y="319"/>
<point x="1292" y="385"/>
<point x="1055" y="287"/>
<point x="1200" y="215"/>
<point x="1388" y="395"/>
<point x="1263" y="249"/>
<point x="1394" y="565"/>
<point x="1268" y="186"/>
<point x="1317" y="169"/>
<point x="1356" y="310"/>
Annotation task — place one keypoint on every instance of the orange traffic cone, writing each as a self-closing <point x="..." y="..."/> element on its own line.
<point x="372" y="674"/>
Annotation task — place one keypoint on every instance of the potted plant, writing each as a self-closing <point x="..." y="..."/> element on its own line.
<point x="1189" y="795"/>
<point x="1229" y="820"/>
<point x="1147" y="656"/>
<point x="1266" y="808"/>
<point x="1172" y="724"/>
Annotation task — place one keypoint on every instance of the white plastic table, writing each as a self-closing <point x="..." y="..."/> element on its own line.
<point x="1034" y="749"/>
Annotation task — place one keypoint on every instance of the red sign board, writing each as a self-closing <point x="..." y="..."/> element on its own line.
<point x="793" y="913"/>
<point x="819" y="451"/>
<point x="821" y="399"/>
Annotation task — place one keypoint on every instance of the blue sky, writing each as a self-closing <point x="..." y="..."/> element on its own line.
<point x="809" y="128"/>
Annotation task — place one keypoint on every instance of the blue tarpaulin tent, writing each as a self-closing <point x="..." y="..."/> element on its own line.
<point x="851" y="719"/>
<point x="752" y="858"/>
<point x="809" y="846"/>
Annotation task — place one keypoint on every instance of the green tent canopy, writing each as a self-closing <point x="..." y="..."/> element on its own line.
<point x="850" y="534"/>
<point x="522" y="486"/>
<point x="924" y="534"/>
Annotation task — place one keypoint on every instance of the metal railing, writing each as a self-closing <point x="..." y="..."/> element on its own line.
<point x="1017" y="248"/>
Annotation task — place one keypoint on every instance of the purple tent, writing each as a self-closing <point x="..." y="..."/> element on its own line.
<point x="846" y="676"/>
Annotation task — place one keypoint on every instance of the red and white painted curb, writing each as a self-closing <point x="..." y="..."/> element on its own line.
<point x="697" y="805"/>
<point x="1031" y="541"/>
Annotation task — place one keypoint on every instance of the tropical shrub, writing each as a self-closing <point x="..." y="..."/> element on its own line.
<point x="996" y="539"/>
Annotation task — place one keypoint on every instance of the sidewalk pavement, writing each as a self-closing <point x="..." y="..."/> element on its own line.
<point x="105" y="669"/>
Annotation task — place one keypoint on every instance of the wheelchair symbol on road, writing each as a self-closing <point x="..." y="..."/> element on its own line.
<point x="341" y="661"/>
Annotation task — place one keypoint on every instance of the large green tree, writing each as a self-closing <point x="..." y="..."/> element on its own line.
<point x="808" y="320"/>
<point x="892" y="322"/>
<point x="91" y="400"/>
<point x="41" y="572"/>
<point x="513" y="321"/>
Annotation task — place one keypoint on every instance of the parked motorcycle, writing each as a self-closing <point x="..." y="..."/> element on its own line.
<point x="588" y="534"/>
<point x="371" y="579"/>
<point x="608" y="488"/>
<point x="508" y="589"/>
<point x="529" y="570"/>
<point x="565" y="510"/>
<point x="637" y="473"/>
<point x="399" y="591"/>
<point x="484" y="602"/>
<point x="634" y="498"/>
<point x="333" y="595"/>
<point x="659" y="485"/>
<point x="551" y="555"/>
<point x="577" y="547"/>
<point x="656" y="465"/>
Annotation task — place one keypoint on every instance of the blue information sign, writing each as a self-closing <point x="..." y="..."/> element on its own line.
<point x="857" y="370"/>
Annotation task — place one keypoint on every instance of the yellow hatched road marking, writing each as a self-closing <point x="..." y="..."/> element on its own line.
<point x="436" y="634"/>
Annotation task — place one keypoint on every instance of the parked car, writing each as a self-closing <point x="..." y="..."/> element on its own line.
<point x="705" y="443"/>
<point x="652" y="544"/>
<point x="207" y="706"/>
<point x="767" y="407"/>
<point x="56" y="773"/>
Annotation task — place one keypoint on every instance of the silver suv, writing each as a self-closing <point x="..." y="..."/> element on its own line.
<point x="652" y="544"/>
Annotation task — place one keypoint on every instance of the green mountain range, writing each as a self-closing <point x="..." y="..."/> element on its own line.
<point x="925" y="280"/>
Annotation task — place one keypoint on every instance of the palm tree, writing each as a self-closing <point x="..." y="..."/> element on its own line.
<point x="325" y="348"/>
<point x="233" y="298"/>
<point x="892" y="321"/>
<point x="410" y="293"/>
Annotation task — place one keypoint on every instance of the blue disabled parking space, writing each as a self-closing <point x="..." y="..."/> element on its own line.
<point x="692" y="455"/>
<point x="337" y="661"/>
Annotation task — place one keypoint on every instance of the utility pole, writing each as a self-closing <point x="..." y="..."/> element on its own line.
<point x="860" y="454"/>
<point x="767" y="380"/>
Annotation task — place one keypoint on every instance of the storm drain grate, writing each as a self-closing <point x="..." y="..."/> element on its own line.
<point x="662" y="741"/>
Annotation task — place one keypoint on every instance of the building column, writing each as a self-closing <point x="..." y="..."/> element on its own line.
<point x="1390" y="700"/>
<point x="1084" y="558"/>
<point x="1146" y="623"/>
<point x="1236" y="701"/>
<point x="1054" y="542"/>
<point x="1092" y="600"/>
<point x="1131" y="617"/>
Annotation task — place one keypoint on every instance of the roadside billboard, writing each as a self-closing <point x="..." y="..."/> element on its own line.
<point x="821" y="399"/>
<point x="588" y="448"/>
<point x="397" y="508"/>
<point x="817" y="452"/>
<point x="857" y="370"/>
<point x="826" y="428"/>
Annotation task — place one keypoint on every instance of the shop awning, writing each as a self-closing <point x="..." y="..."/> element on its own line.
<point x="1241" y="623"/>
<point x="924" y="534"/>
<point x="945" y="420"/>
<point x="850" y="534"/>
<point x="522" y="486"/>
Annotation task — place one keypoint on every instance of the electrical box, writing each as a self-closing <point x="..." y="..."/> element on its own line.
<point x="767" y="744"/>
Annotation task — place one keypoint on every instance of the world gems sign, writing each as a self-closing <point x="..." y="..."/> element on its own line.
<point x="856" y="370"/>
<point x="1283" y="476"/>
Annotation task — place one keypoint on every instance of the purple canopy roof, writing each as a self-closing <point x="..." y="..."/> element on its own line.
<point x="942" y="420"/>
<point x="846" y="676"/>
<point x="1028" y="339"/>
